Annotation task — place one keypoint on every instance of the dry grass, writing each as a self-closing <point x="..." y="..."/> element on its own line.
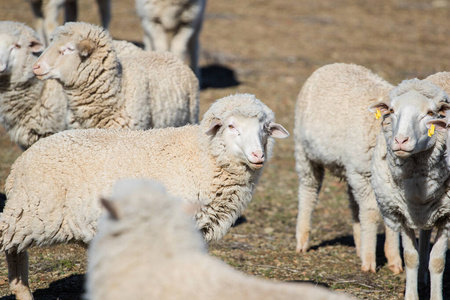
<point x="271" y="47"/>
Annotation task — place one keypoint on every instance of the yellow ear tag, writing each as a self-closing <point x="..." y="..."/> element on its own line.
<point x="431" y="130"/>
<point x="378" y="114"/>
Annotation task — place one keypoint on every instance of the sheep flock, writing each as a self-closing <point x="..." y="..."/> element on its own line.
<point x="158" y="182"/>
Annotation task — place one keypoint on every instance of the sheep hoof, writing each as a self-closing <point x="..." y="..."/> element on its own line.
<point x="368" y="268"/>
<point x="302" y="245"/>
<point x="396" y="268"/>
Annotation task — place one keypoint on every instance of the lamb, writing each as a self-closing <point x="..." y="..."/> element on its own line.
<point x="411" y="179"/>
<point x="53" y="187"/>
<point x="106" y="90"/>
<point x="146" y="236"/>
<point x="46" y="15"/>
<point x="29" y="108"/>
<point x="344" y="91"/>
<point x="173" y="25"/>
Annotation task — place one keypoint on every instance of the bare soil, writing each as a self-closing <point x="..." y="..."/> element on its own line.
<point x="269" y="48"/>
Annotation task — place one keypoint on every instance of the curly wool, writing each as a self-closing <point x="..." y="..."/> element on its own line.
<point x="29" y="109"/>
<point x="138" y="91"/>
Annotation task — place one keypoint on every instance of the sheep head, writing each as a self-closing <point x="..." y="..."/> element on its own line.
<point x="19" y="48"/>
<point x="412" y="105"/>
<point x="72" y="47"/>
<point x="245" y="129"/>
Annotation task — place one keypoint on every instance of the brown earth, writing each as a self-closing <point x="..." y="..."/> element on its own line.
<point x="269" y="48"/>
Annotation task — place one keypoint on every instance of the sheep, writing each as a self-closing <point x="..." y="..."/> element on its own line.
<point x="411" y="180"/>
<point x="29" y="109"/>
<point x="345" y="91"/>
<point x="53" y="187"/>
<point x="441" y="79"/>
<point x="146" y="236"/>
<point x="106" y="90"/>
<point x="46" y="15"/>
<point x="173" y="25"/>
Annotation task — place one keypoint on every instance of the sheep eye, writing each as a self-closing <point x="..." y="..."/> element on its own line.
<point x="430" y="113"/>
<point x="391" y="111"/>
<point x="231" y="126"/>
<point x="448" y="125"/>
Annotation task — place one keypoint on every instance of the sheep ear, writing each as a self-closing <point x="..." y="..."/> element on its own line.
<point x="443" y="107"/>
<point x="86" y="47"/>
<point x="440" y="124"/>
<point x="215" y="125"/>
<point x="111" y="208"/>
<point x="36" y="46"/>
<point x="278" y="131"/>
<point x="383" y="107"/>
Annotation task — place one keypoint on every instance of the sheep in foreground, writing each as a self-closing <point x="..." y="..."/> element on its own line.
<point x="411" y="179"/>
<point x="106" y="90"/>
<point x="147" y="247"/>
<point x="172" y="25"/>
<point x="53" y="187"/>
<point x="29" y="108"/>
<point x="346" y="147"/>
<point x="46" y="14"/>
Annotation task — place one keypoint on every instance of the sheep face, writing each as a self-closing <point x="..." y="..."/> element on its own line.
<point x="443" y="125"/>
<point x="246" y="138"/>
<point x="61" y="59"/>
<point x="409" y="114"/>
<point x="18" y="50"/>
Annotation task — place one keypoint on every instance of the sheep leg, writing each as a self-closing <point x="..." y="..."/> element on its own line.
<point x="51" y="11"/>
<point x="411" y="255"/>
<point x="104" y="7"/>
<point x="354" y="207"/>
<point x="180" y="41"/>
<point x="155" y="37"/>
<point x="424" y="256"/>
<point x="18" y="274"/>
<point x="71" y="11"/>
<point x="310" y="181"/>
<point x="193" y="50"/>
<point x="392" y="250"/>
<point x="437" y="263"/>
<point x="36" y="6"/>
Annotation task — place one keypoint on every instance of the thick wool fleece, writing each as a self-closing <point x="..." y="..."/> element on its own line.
<point x="29" y="109"/>
<point x="140" y="91"/>
<point x="413" y="192"/>
<point x="335" y="130"/>
<point x="149" y="238"/>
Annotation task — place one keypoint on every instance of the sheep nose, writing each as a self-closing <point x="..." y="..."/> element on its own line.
<point x="258" y="156"/>
<point x="36" y="66"/>
<point x="401" y="139"/>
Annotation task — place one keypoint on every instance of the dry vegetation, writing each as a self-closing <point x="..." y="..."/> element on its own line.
<point x="270" y="47"/>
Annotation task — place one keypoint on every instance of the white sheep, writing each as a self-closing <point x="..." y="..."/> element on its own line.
<point x="46" y="14"/>
<point x="339" y="94"/>
<point x="106" y="90"/>
<point x="147" y="247"/>
<point x="411" y="179"/>
<point x="173" y="25"/>
<point x="29" y="108"/>
<point x="53" y="187"/>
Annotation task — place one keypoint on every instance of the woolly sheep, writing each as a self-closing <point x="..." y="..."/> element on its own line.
<point x="53" y="187"/>
<point x="106" y="90"/>
<point x="343" y="91"/>
<point x="29" y="108"/>
<point x="441" y="79"/>
<point x="46" y="14"/>
<point x="147" y="245"/>
<point x="411" y="180"/>
<point x="172" y="25"/>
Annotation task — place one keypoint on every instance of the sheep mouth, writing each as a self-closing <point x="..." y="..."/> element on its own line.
<point x="258" y="165"/>
<point x="402" y="153"/>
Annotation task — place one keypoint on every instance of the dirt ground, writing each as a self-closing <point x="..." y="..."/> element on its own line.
<point x="269" y="48"/>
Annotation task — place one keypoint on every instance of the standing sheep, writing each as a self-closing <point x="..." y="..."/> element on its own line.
<point x="46" y="14"/>
<point x="29" y="108"/>
<point x="53" y="187"/>
<point x="344" y="91"/>
<point x="412" y="181"/>
<point x="147" y="247"/>
<point x="173" y="25"/>
<point x="104" y="90"/>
